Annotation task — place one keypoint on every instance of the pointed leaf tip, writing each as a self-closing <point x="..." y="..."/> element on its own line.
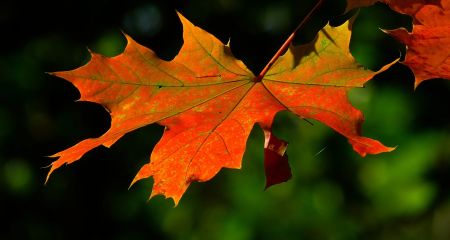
<point x="364" y="146"/>
<point x="182" y="18"/>
<point x="53" y="166"/>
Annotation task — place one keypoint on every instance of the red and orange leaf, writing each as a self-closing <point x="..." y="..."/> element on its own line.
<point x="209" y="101"/>
<point x="427" y="45"/>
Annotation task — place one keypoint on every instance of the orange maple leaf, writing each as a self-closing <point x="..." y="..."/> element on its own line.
<point x="428" y="51"/>
<point x="209" y="101"/>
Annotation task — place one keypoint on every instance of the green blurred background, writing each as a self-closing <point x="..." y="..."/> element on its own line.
<point x="334" y="193"/>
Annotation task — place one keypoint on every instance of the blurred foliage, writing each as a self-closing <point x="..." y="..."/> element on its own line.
<point x="334" y="193"/>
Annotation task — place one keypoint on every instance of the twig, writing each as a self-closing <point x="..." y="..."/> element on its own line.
<point x="286" y="43"/>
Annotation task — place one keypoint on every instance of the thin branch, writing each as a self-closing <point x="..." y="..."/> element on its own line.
<point x="286" y="43"/>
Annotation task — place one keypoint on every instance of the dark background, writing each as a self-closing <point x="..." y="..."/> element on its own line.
<point x="334" y="193"/>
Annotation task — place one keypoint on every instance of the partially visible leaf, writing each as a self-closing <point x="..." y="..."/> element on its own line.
<point x="428" y="44"/>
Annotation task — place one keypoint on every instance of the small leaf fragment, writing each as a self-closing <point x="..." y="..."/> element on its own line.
<point x="276" y="164"/>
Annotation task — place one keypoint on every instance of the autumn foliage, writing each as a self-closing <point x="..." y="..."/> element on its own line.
<point x="209" y="101"/>
<point x="427" y="45"/>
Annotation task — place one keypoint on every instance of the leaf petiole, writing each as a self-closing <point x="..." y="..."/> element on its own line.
<point x="286" y="43"/>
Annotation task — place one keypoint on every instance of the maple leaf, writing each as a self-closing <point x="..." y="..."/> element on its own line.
<point x="427" y="45"/>
<point x="209" y="101"/>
